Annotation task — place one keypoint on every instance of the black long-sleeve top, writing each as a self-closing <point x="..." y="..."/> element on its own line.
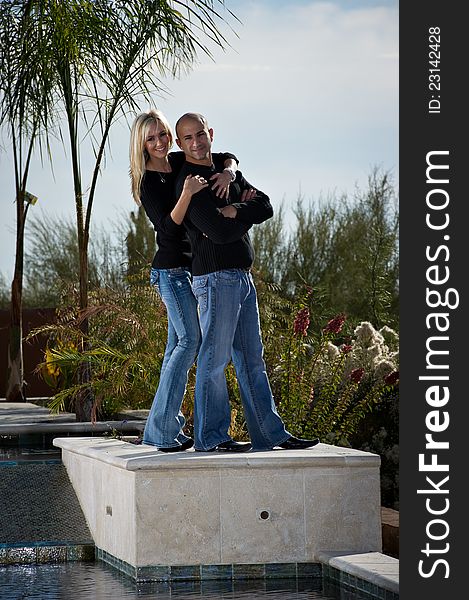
<point x="158" y="197"/>
<point x="220" y="242"/>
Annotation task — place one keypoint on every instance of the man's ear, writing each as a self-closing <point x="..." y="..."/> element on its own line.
<point x="178" y="143"/>
<point x="211" y="134"/>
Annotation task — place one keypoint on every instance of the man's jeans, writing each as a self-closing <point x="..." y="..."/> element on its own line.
<point x="165" y="420"/>
<point x="229" y="320"/>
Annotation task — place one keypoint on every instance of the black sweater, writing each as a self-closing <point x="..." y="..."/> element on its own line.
<point x="158" y="198"/>
<point x="220" y="242"/>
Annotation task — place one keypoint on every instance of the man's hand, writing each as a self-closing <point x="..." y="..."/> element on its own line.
<point x="229" y="211"/>
<point x="221" y="187"/>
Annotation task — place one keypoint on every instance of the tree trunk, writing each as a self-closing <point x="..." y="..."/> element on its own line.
<point x="85" y="405"/>
<point x="15" y="372"/>
<point x="15" y="381"/>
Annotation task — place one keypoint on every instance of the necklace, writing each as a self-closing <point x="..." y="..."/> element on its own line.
<point x="162" y="177"/>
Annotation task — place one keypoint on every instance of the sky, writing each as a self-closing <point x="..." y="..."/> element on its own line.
<point x="306" y="97"/>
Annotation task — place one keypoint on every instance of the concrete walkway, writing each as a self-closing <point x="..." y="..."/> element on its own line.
<point x="22" y="418"/>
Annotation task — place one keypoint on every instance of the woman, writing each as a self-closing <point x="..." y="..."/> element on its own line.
<point x="153" y="171"/>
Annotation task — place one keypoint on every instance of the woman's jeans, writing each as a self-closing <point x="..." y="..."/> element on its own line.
<point x="229" y="319"/>
<point x="165" y="421"/>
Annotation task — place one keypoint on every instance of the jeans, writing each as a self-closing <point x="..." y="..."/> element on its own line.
<point x="229" y="320"/>
<point x="165" y="422"/>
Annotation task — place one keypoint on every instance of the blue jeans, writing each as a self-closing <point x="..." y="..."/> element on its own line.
<point x="229" y="320"/>
<point x="165" y="422"/>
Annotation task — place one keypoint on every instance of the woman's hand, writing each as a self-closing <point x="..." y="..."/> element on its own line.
<point x="248" y="195"/>
<point x="193" y="184"/>
<point x="221" y="187"/>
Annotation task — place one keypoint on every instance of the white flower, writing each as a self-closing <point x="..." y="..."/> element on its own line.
<point x="367" y="335"/>
<point x="374" y="352"/>
<point x="390" y="336"/>
<point x="332" y="350"/>
<point x="383" y="368"/>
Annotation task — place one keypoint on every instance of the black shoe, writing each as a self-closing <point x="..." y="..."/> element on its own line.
<point x="232" y="446"/>
<point x="294" y="443"/>
<point x="184" y="446"/>
<point x="229" y="446"/>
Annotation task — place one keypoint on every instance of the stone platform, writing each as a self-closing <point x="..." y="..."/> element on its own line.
<point x="150" y="512"/>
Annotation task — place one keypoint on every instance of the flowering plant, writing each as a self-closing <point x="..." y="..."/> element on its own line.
<point x="325" y="382"/>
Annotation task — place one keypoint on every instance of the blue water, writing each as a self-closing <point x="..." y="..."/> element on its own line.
<point x="98" y="581"/>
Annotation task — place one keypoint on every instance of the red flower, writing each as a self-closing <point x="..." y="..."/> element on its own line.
<point x="346" y="348"/>
<point x="335" y="325"/>
<point x="392" y="378"/>
<point x="301" y="323"/>
<point x="357" y="375"/>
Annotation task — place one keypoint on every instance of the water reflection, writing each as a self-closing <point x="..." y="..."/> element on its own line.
<point x="98" y="581"/>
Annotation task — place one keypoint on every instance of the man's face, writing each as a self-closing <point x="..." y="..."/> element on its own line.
<point x="195" y="140"/>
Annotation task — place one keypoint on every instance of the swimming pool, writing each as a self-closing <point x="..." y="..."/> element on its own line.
<point x="98" y="581"/>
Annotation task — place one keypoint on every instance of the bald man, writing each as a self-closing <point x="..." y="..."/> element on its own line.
<point x="222" y="257"/>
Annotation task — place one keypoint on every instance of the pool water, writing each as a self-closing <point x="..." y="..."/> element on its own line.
<point x="98" y="581"/>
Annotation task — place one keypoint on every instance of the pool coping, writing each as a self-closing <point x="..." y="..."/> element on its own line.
<point x="380" y="570"/>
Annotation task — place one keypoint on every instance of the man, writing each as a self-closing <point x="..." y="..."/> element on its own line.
<point x="222" y="256"/>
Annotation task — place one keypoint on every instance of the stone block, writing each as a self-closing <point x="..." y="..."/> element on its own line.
<point x="239" y="513"/>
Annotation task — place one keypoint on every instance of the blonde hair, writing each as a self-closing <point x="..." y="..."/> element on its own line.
<point x="137" y="152"/>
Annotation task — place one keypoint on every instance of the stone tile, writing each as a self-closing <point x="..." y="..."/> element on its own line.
<point x="309" y="569"/>
<point x="186" y="572"/>
<point x="262" y="516"/>
<point x="178" y="517"/>
<point x="280" y="570"/>
<point x="23" y="556"/>
<point x="342" y="507"/>
<point x="247" y="571"/>
<point x="56" y="554"/>
<point x="216" y="572"/>
<point x="115" y="510"/>
<point x="156" y="573"/>
<point x="83" y="552"/>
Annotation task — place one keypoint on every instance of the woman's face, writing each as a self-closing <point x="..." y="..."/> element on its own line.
<point x="157" y="141"/>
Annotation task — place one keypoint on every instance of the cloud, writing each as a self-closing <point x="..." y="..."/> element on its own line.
<point x="307" y="97"/>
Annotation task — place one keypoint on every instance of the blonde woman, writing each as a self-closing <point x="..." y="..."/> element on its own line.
<point x="153" y="172"/>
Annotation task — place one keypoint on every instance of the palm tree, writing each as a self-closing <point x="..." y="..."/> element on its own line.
<point x="25" y="92"/>
<point x="103" y="56"/>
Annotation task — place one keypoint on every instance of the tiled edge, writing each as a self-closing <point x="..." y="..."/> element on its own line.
<point x="117" y="563"/>
<point x="350" y="581"/>
<point x="212" y="572"/>
<point x="29" y="461"/>
<point x="45" y="552"/>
